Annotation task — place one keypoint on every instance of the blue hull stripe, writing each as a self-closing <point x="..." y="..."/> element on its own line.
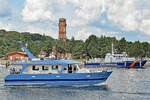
<point x="118" y="64"/>
<point x="55" y="79"/>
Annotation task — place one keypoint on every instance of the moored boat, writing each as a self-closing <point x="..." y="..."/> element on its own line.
<point x="117" y="60"/>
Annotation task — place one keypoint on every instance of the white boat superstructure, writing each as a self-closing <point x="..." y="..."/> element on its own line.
<point x="112" y="57"/>
<point x="47" y="69"/>
<point x="117" y="57"/>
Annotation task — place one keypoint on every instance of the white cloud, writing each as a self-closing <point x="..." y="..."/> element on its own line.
<point x="85" y="32"/>
<point x="123" y="13"/>
<point x="48" y="32"/>
<point x="87" y="11"/>
<point x="82" y="35"/>
<point x="8" y="27"/>
<point x="35" y="10"/>
<point x="82" y="13"/>
<point x="145" y="26"/>
<point x="127" y="15"/>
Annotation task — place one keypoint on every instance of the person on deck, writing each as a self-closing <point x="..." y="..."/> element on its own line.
<point x="69" y="69"/>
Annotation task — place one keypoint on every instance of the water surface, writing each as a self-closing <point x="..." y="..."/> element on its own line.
<point x="123" y="84"/>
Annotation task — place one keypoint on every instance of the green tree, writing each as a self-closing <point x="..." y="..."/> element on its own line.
<point x="70" y="44"/>
<point x="136" y="50"/>
<point x="146" y="49"/>
<point x="61" y="46"/>
<point x="92" y="48"/>
<point x="78" y="50"/>
<point x="121" y="47"/>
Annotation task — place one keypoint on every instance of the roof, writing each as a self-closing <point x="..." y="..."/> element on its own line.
<point x="42" y="52"/>
<point x="48" y="62"/>
<point x="17" y="52"/>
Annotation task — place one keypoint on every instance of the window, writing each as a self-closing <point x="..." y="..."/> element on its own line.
<point x="44" y="67"/>
<point x="69" y="68"/>
<point x="54" y="67"/>
<point x="10" y="57"/>
<point x="35" y="68"/>
<point x="75" y="67"/>
<point x="65" y="68"/>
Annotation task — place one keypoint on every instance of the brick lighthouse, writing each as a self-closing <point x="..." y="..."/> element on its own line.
<point x="62" y="29"/>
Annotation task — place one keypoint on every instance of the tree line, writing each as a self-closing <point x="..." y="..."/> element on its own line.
<point x="93" y="47"/>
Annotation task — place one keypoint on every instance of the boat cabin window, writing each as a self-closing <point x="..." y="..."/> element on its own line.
<point x="14" y="70"/>
<point x="35" y="68"/>
<point x="44" y="67"/>
<point x="54" y="67"/>
<point x="69" y="68"/>
<point x="74" y="68"/>
<point x="65" y="68"/>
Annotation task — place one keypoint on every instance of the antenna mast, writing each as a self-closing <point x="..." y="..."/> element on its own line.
<point x="112" y="50"/>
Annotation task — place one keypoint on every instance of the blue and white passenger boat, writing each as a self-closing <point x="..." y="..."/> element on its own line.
<point x="52" y="72"/>
<point x="117" y="60"/>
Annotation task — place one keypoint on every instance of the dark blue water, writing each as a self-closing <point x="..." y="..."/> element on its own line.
<point x="123" y="84"/>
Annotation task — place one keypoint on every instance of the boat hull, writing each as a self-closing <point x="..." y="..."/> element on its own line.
<point x="56" y="79"/>
<point x="127" y="64"/>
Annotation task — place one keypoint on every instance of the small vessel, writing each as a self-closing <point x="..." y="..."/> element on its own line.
<point x="52" y="72"/>
<point x="117" y="60"/>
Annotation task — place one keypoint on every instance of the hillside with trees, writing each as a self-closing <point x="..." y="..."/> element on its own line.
<point x="90" y="48"/>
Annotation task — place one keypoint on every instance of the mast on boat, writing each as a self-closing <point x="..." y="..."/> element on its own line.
<point x="112" y="49"/>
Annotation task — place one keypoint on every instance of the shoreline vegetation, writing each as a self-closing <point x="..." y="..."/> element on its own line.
<point x="92" y="47"/>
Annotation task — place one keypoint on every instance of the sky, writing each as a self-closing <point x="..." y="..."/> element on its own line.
<point x="119" y="18"/>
